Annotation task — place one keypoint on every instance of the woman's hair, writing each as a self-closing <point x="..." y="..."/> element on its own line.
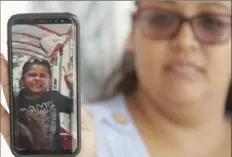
<point x="34" y="61"/>
<point x="128" y="82"/>
<point x="30" y="132"/>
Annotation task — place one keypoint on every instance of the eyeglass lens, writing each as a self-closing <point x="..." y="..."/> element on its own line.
<point x="208" y="28"/>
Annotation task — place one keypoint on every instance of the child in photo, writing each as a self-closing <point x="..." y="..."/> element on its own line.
<point x="36" y="97"/>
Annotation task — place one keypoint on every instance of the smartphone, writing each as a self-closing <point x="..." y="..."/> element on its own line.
<point x="43" y="56"/>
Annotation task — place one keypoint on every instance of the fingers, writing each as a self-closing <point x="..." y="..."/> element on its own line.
<point x="5" y="124"/>
<point x="88" y="145"/>
<point x="86" y="121"/>
<point x="88" y="137"/>
<point x="4" y="77"/>
<point x="5" y="118"/>
<point x="68" y="68"/>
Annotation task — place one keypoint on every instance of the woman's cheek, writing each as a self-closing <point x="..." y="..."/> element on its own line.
<point x="219" y="65"/>
<point x="148" y="67"/>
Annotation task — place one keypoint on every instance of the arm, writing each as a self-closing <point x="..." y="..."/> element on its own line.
<point x="65" y="104"/>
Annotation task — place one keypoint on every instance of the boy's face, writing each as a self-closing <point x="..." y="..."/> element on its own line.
<point x="37" y="79"/>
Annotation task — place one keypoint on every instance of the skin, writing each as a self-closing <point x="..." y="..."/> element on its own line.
<point x="36" y="80"/>
<point x="184" y="113"/>
<point x="177" y="109"/>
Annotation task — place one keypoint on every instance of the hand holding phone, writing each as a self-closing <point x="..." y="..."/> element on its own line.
<point x="36" y="89"/>
<point x="88" y="141"/>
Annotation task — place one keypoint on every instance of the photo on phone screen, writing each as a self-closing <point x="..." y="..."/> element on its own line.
<point x="44" y="86"/>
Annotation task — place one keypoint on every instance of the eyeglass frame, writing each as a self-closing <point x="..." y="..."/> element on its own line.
<point x="183" y="20"/>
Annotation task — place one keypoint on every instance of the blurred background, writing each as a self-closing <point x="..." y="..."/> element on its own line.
<point x="104" y="29"/>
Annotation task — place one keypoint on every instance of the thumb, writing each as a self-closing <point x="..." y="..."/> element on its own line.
<point x="5" y="124"/>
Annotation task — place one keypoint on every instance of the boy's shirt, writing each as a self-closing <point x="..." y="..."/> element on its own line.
<point x="48" y="106"/>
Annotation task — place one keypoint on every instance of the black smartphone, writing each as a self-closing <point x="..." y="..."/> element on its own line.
<point x="43" y="56"/>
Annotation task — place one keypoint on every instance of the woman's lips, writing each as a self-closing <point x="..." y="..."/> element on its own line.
<point x="184" y="68"/>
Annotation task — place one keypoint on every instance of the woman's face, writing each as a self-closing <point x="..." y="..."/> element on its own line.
<point x="37" y="79"/>
<point x="185" y="65"/>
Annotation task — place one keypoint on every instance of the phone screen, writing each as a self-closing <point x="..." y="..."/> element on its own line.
<point x="44" y="86"/>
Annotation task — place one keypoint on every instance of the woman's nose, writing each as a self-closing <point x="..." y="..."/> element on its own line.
<point x="185" y="39"/>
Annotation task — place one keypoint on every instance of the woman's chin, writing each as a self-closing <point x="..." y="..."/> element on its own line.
<point x="184" y="94"/>
<point x="185" y="98"/>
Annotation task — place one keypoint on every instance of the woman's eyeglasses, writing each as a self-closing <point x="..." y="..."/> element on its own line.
<point x="161" y="24"/>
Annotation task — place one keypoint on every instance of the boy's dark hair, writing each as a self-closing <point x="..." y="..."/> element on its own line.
<point x="36" y="61"/>
<point x="30" y="131"/>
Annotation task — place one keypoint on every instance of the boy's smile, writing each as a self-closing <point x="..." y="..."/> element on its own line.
<point x="37" y="79"/>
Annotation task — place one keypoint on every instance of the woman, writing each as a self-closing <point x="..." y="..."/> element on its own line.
<point x="172" y="104"/>
<point x="175" y="96"/>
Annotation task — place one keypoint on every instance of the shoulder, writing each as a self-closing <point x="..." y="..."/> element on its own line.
<point x="113" y="124"/>
<point x="103" y="109"/>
